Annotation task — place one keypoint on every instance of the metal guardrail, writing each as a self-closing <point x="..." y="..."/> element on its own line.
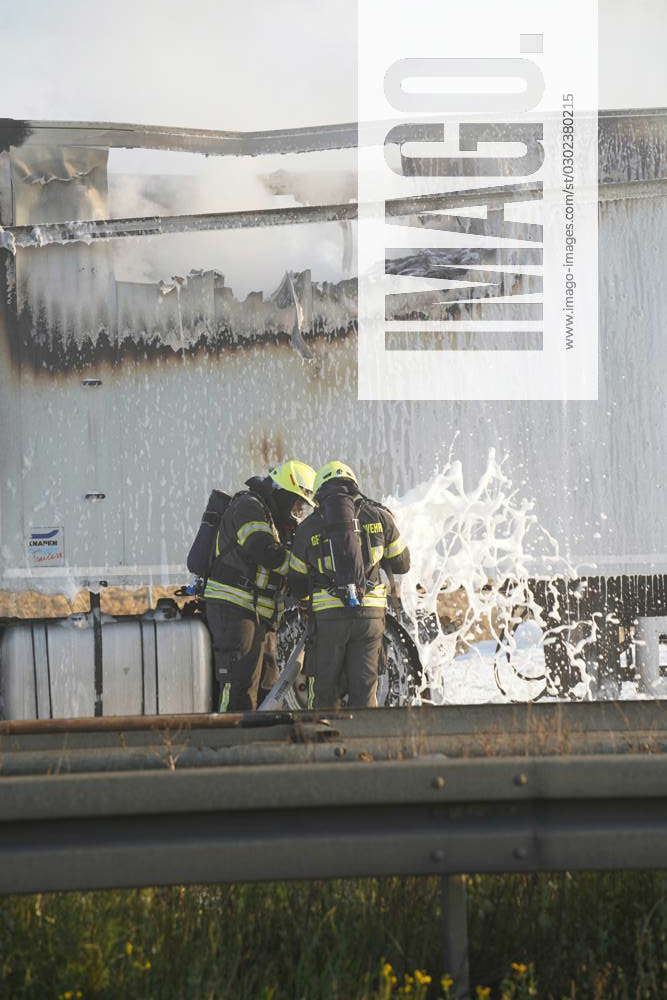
<point x="153" y="743"/>
<point x="415" y="809"/>
<point x="115" y="802"/>
<point x="323" y="821"/>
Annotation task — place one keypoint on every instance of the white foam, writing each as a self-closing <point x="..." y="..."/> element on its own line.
<point x="482" y="542"/>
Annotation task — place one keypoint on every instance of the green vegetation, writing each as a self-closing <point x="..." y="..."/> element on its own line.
<point x="597" y="936"/>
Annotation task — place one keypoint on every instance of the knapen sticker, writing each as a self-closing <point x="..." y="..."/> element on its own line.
<point x="46" y="546"/>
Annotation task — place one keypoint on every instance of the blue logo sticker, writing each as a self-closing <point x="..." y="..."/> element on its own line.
<point x="46" y="547"/>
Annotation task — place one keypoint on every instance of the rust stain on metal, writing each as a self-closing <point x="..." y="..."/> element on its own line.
<point x="122" y="723"/>
<point x="271" y="448"/>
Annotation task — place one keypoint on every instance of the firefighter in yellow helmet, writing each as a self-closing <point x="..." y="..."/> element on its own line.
<point x="336" y="558"/>
<point x="247" y="577"/>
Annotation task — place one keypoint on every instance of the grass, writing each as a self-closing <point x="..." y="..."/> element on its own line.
<point x="599" y="936"/>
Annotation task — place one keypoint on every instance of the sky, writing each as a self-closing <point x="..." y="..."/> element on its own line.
<point x="258" y="64"/>
<point x="222" y="65"/>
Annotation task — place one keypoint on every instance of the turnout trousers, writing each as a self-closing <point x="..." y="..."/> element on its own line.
<point x="245" y="655"/>
<point x="345" y="657"/>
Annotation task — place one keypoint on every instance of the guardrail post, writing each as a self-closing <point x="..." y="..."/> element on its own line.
<point x="455" y="928"/>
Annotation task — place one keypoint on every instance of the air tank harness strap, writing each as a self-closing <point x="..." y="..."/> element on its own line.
<point x="344" y="524"/>
<point x="235" y="578"/>
<point x="365" y="548"/>
<point x="329" y="555"/>
<point x="336" y="591"/>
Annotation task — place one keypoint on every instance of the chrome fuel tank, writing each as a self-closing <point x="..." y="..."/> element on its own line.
<point x="141" y="666"/>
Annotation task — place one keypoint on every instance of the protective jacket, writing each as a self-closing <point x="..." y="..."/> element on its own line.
<point x="311" y="569"/>
<point x="251" y="561"/>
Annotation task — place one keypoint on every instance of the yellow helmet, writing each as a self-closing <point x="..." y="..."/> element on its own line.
<point x="296" y="477"/>
<point x="333" y="470"/>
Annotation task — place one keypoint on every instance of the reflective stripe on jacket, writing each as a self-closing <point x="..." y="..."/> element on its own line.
<point x="234" y="577"/>
<point x="310" y="564"/>
<point x="375" y="597"/>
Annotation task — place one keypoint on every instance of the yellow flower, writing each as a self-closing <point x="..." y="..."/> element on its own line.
<point x="68" y="995"/>
<point x="482" y="992"/>
<point x="147" y="966"/>
<point x="386" y="970"/>
<point x="446" y="982"/>
<point x="129" y="947"/>
<point x="422" y="977"/>
<point x="520" y="968"/>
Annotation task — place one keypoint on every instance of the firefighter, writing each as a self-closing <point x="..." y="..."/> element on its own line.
<point x="336" y="558"/>
<point x="247" y="576"/>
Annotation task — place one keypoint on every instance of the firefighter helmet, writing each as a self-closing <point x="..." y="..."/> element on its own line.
<point x="295" y="477"/>
<point x="333" y="470"/>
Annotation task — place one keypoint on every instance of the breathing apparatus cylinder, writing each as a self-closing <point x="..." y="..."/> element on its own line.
<point x="337" y="505"/>
<point x="199" y="556"/>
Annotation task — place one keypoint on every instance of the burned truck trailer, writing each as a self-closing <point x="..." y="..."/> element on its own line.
<point x="124" y="401"/>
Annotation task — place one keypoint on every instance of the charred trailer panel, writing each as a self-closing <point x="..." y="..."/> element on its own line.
<point x="125" y="402"/>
